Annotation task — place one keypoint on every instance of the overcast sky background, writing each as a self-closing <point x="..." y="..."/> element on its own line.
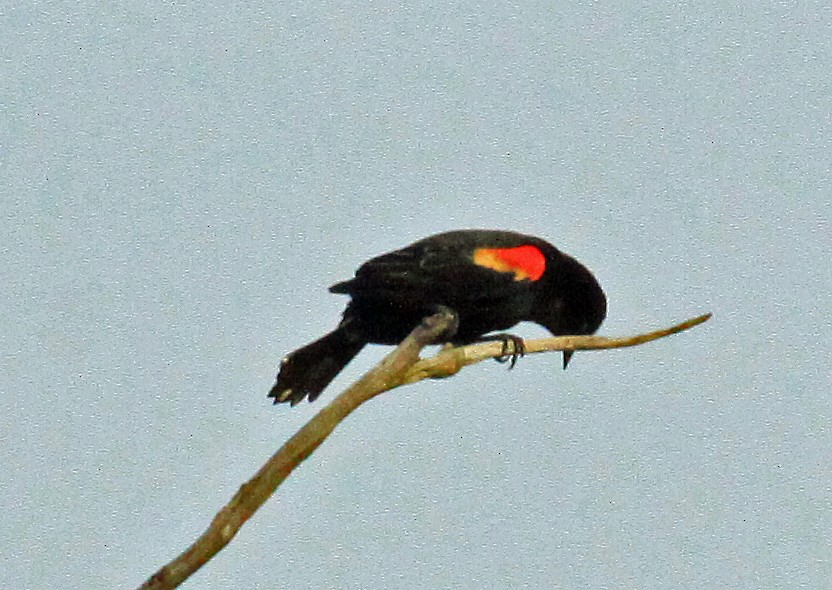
<point x="181" y="183"/>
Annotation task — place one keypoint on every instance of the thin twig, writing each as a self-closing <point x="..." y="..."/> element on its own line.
<point x="451" y="360"/>
<point x="399" y="367"/>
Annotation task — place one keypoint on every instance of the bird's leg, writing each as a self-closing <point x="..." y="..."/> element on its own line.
<point x="513" y="347"/>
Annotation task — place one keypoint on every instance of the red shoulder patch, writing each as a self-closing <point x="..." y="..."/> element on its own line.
<point x="526" y="262"/>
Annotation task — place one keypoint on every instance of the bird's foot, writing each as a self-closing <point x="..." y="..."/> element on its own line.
<point x="450" y="332"/>
<point x="513" y="347"/>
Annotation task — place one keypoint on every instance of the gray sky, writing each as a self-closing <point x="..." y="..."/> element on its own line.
<point x="181" y="184"/>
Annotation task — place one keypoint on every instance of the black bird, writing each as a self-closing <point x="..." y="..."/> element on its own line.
<point x="490" y="279"/>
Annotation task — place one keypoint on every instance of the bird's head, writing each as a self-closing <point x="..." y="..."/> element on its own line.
<point x="569" y="301"/>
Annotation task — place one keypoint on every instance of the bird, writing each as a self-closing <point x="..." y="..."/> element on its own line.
<point x="489" y="279"/>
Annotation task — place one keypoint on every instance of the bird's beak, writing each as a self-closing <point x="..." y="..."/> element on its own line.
<point x="567" y="354"/>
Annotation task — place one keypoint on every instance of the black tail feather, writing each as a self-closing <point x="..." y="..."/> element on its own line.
<point x="308" y="370"/>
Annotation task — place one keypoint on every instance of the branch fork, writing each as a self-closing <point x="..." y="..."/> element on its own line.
<point x="400" y="367"/>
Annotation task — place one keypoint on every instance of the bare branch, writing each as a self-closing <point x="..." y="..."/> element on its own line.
<point x="451" y="360"/>
<point x="399" y="367"/>
<point x="256" y="491"/>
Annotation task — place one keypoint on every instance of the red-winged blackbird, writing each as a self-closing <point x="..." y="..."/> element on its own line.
<point x="490" y="279"/>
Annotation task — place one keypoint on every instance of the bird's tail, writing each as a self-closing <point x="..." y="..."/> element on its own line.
<point x="308" y="370"/>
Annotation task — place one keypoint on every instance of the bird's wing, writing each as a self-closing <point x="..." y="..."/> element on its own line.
<point x="444" y="271"/>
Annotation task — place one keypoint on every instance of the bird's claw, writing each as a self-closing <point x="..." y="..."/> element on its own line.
<point x="513" y="348"/>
